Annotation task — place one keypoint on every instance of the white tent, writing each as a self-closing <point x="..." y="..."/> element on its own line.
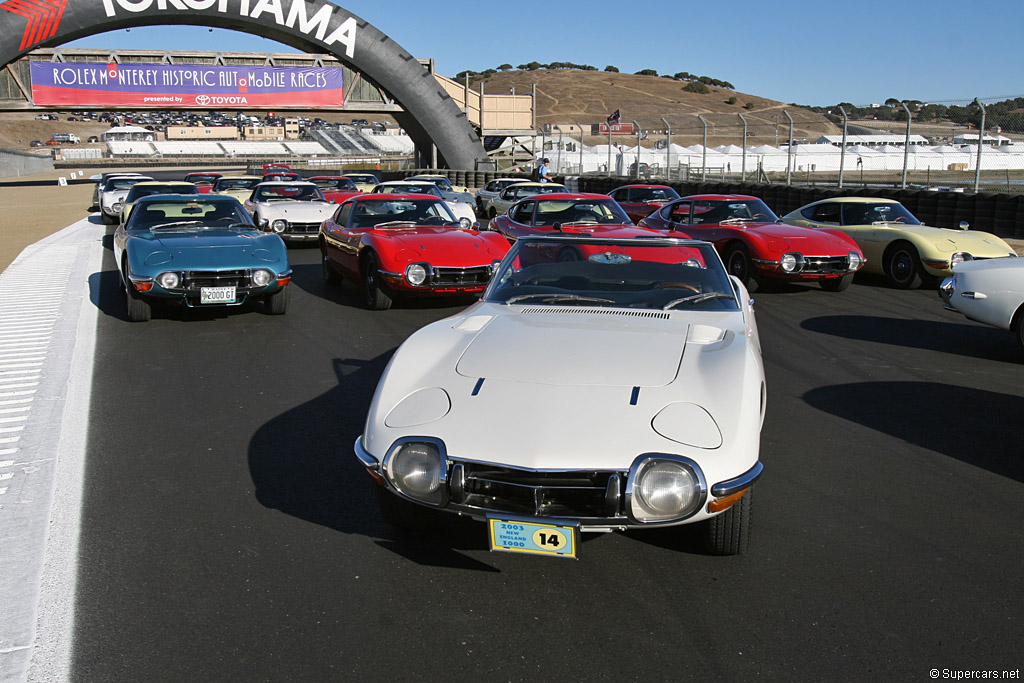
<point x="128" y="133"/>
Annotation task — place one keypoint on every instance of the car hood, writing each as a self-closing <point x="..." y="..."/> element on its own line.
<point x="441" y="246"/>
<point x="783" y="237"/>
<point x="296" y="211"/>
<point x="946" y="240"/>
<point x="569" y="388"/>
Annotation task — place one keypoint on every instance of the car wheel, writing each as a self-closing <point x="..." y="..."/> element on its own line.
<point x="277" y="303"/>
<point x="1018" y="326"/>
<point x="139" y="310"/>
<point x="330" y="275"/>
<point x="737" y="262"/>
<point x="401" y="513"/>
<point x="107" y="220"/>
<point x="492" y="214"/>
<point x="373" y="289"/>
<point x="729" y="532"/>
<point x="903" y="266"/>
<point x="837" y="284"/>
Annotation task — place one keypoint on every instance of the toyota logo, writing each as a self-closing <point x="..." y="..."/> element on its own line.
<point x="202" y="99"/>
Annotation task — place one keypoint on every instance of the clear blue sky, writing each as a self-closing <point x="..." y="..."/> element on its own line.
<point x="815" y="53"/>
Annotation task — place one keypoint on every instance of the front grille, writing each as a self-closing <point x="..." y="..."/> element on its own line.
<point x="574" y="494"/>
<point x="576" y="310"/>
<point x="461" y="277"/>
<point x="825" y="265"/>
<point x="302" y="228"/>
<point x="194" y="280"/>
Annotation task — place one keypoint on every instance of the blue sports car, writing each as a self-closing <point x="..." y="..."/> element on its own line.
<point x="199" y="251"/>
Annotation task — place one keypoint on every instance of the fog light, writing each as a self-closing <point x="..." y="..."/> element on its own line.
<point x="415" y="274"/>
<point x="262" y="277"/>
<point x="168" y="280"/>
<point x="417" y="469"/>
<point x="791" y="262"/>
<point x="662" y="488"/>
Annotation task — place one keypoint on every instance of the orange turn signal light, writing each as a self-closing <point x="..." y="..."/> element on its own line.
<point x="282" y="281"/>
<point x="144" y="285"/>
<point x="727" y="502"/>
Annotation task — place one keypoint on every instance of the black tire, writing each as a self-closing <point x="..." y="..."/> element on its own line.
<point x="1018" y="326"/>
<point x="729" y="532"/>
<point x="903" y="266"/>
<point x="737" y="262"/>
<point x="107" y="220"/>
<point x="376" y="298"/>
<point x="837" y="284"/>
<point x="277" y="303"/>
<point x="401" y="513"/>
<point x="330" y="275"/>
<point x="491" y="214"/>
<point x="139" y="310"/>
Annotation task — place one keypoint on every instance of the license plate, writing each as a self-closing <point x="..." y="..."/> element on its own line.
<point x="217" y="295"/>
<point x="516" y="535"/>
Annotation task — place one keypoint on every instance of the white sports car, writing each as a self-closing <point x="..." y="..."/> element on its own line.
<point x="294" y="210"/>
<point x="988" y="291"/>
<point x="112" y="194"/>
<point x="600" y="384"/>
<point x="462" y="210"/>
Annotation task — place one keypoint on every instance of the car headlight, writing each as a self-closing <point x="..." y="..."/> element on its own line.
<point x="417" y="468"/>
<point x="662" y="488"/>
<point x="262" y="277"/>
<point x="854" y="261"/>
<point x="116" y="207"/>
<point x="791" y="262"/>
<point x="279" y="225"/>
<point x="960" y="257"/>
<point x="415" y="274"/>
<point x="465" y="223"/>
<point x="168" y="280"/>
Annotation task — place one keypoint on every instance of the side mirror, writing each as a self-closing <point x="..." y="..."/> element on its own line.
<point x="964" y="225"/>
<point x="557" y="227"/>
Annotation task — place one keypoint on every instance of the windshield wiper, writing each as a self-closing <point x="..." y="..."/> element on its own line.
<point x="558" y="298"/>
<point x="174" y="224"/>
<point x="734" y="219"/>
<point x="697" y="298"/>
<point x="384" y="225"/>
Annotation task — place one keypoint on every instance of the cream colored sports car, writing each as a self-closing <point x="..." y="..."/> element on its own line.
<point x="894" y="242"/>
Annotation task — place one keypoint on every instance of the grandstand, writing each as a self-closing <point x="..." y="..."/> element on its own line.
<point x="187" y="148"/>
<point x="391" y="144"/>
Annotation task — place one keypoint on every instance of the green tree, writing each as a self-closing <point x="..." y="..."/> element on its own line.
<point x="505" y="67"/>
<point x="697" y="87"/>
<point x="647" y="72"/>
<point x="748" y="105"/>
<point x="611" y="69"/>
<point x="731" y="100"/>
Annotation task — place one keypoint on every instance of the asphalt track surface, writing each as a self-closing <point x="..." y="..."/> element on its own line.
<point x="229" y="534"/>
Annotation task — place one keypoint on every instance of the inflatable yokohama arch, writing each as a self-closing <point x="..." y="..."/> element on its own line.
<point x="313" y="26"/>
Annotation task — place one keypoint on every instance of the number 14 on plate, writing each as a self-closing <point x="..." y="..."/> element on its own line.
<point x="516" y="535"/>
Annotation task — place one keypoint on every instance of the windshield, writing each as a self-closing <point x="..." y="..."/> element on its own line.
<point x="408" y="189"/>
<point x="566" y="211"/>
<point x="652" y="194"/>
<point x="147" y="190"/>
<point x="170" y="213"/>
<point x="442" y="183"/>
<point x="517" y="192"/>
<point x="878" y="212"/>
<point x="201" y="178"/>
<point x="276" y="177"/>
<point x="334" y="184"/>
<point x="367" y="178"/>
<point x="666" y="274"/>
<point x="121" y="184"/>
<point x="234" y="184"/>
<point x="721" y="211"/>
<point x="296" y="193"/>
<point x="370" y="213"/>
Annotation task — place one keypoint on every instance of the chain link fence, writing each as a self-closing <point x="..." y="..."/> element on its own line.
<point x="907" y="145"/>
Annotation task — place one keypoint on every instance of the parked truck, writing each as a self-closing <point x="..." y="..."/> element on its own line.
<point x="66" y="137"/>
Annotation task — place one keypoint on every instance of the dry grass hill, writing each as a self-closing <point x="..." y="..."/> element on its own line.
<point x="567" y="96"/>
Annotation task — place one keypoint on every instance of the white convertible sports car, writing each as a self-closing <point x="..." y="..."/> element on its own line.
<point x="462" y="210"/>
<point x="600" y="384"/>
<point x="294" y="210"/>
<point x="988" y="291"/>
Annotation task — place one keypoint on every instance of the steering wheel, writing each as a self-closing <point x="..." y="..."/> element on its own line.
<point x="434" y="220"/>
<point x="676" y="285"/>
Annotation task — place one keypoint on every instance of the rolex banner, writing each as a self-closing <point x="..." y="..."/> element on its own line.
<point x="166" y="86"/>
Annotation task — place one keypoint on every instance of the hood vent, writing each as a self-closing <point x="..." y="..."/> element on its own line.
<point x="576" y="310"/>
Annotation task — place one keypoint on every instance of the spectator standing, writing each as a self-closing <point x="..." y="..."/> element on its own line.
<point x="542" y="173"/>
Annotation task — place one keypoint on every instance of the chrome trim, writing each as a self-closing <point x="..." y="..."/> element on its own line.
<point x="364" y="456"/>
<point x="634" y="469"/>
<point x="457" y="484"/>
<point x="613" y="496"/>
<point x="730" y="486"/>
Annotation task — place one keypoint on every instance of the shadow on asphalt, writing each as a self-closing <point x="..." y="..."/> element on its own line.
<point x="302" y="464"/>
<point x="308" y="277"/>
<point x="973" y="341"/>
<point x="952" y="420"/>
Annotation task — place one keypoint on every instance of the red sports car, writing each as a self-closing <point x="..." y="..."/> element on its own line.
<point x="640" y="200"/>
<point x="547" y="214"/>
<point x="756" y="247"/>
<point x="203" y="181"/>
<point x="406" y="245"/>
<point x="336" y="188"/>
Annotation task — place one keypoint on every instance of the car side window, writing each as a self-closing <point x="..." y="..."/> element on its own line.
<point x="523" y="213"/>
<point x="342" y="215"/>
<point x="619" y="195"/>
<point x="826" y="213"/>
<point x="679" y="213"/>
